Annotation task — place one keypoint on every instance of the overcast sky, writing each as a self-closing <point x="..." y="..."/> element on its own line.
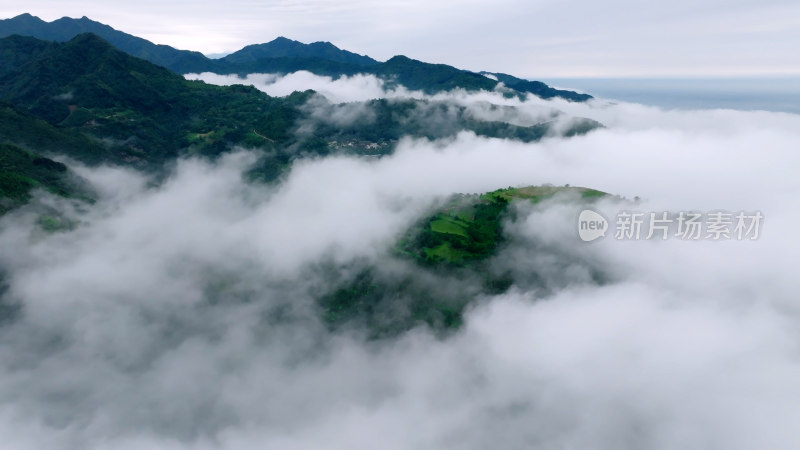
<point x="530" y="38"/>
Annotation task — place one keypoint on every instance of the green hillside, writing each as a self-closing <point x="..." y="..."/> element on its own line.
<point x="455" y="242"/>
<point x="25" y="130"/>
<point x="142" y="113"/>
<point x="21" y="171"/>
<point x="469" y="228"/>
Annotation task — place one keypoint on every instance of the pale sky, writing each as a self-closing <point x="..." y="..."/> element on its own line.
<point x="534" y="38"/>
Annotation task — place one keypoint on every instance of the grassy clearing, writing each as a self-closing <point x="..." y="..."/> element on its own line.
<point x="450" y="225"/>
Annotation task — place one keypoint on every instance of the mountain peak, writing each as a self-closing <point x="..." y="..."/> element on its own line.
<point x="66" y="28"/>
<point x="23" y="22"/>
<point x="90" y="40"/>
<point x="399" y="58"/>
<point x="283" y="47"/>
<point x="324" y="45"/>
<point x="280" y="39"/>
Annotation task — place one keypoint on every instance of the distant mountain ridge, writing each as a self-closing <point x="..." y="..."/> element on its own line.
<point x="144" y="114"/>
<point x="91" y="102"/>
<point x="281" y="55"/>
<point x="283" y="47"/>
<point x="65" y="28"/>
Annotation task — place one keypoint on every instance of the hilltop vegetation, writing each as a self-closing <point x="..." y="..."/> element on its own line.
<point x="468" y="228"/>
<point x="455" y="243"/>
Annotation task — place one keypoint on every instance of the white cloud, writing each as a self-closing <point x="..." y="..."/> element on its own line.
<point x="182" y="316"/>
<point x="360" y="87"/>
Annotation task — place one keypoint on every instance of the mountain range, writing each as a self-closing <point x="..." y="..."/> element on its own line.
<point x="127" y="110"/>
<point x="282" y="55"/>
<point x="103" y="97"/>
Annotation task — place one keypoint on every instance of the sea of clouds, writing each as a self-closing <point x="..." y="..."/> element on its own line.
<point x="182" y="314"/>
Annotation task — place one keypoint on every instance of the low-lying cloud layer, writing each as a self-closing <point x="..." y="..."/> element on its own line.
<point x="344" y="101"/>
<point x="182" y="316"/>
<point x="343" y="89"/>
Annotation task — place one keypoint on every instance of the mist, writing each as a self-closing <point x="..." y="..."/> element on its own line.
<point x="182" y="314"/>
<point x="343" y="89"/>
